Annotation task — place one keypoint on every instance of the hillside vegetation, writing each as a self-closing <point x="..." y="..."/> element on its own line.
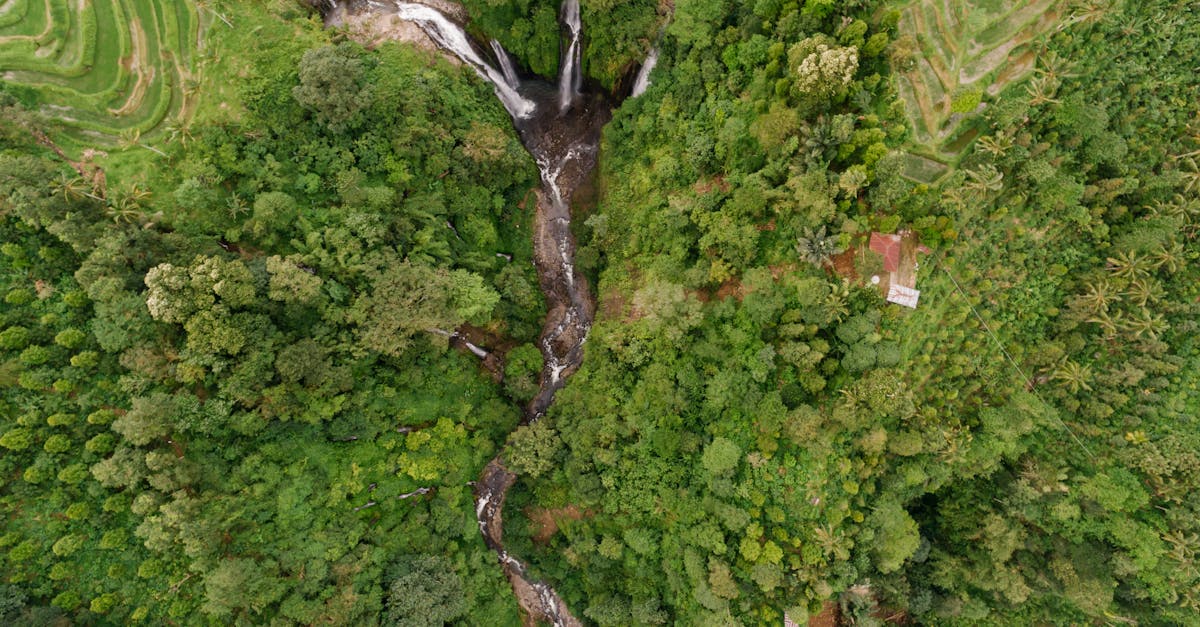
<point x="106" y="70"/>
<point x="952" y="56"/>
<point x="227" y="396"/>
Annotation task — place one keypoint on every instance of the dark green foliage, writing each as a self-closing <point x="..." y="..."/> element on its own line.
<point x="232" y="401"/>
<point x="789" y="438"/>
<point x="522" y="368"/>
<point x="332" y="85"/>
<point x="533" y="449"/>
<point x="407" y="299"/>
<point x="425" y="590"/>
<point x="12" y="601"/>
<point x="185" y="404"/>
<point x="618" y="33"/>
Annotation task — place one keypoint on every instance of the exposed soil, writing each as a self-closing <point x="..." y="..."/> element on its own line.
<point x="732" y="287"/>
<point x="135" y="63"/>
<point x="706" y="186"/>
<point x="370" y="30"/>
<point x="843" y="264"/>
<point x="546" y="521"/>
<point x="830" y="616"/>
<point x="906" y="273"/>
<point x="613" y="305"/>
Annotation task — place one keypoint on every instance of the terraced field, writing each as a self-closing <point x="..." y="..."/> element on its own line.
<point x="108" y="70"/>
<point x="965" y="50"/>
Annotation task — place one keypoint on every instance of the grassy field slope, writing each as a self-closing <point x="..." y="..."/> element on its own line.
<point x="110" y="72"/>
<point x="955" y="55"/>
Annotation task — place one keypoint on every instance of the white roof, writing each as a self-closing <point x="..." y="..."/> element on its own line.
<point x="901" y="295"/>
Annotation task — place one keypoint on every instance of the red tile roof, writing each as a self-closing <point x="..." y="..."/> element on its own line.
<point x="889" y="247"/>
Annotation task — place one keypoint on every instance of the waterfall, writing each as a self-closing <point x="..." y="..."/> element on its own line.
<point x="570" y="77"/>
<point x="643" y="77"/>
<point x="565" y="148"/>
<point x="478" y="352"/>
<point x="452" y="37"/>
<point x="506" y="65"/>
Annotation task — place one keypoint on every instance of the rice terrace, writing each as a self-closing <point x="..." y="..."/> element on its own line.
<point x="109" y="72"/>
<point x="956" y="54"/>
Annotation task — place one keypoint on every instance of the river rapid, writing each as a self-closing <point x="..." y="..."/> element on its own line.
<point x="559" y="123"/>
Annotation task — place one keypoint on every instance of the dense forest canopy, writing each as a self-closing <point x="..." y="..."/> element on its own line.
<point x="241" y="293"/>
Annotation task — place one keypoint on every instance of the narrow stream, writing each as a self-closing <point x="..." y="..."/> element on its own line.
<point x="559" y="124"/>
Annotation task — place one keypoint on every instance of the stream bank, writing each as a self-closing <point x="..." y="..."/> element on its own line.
<point x="559" y="123"/>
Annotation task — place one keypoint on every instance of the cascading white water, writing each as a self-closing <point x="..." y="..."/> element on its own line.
<point x="565" y="149"/>
<point x="643" y="77"/>
<point x="570" y="77"/>
<point x="453" y="38"/>
<point x="555" y="364"/>
<point x="506" y="65"/>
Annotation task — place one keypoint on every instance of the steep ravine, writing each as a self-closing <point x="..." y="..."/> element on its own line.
<point x="559" y="124"/>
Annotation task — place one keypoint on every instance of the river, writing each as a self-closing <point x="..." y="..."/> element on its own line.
<point x="559" y="123"/>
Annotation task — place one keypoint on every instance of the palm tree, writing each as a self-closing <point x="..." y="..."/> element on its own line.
<point x="1145" y="290"/>
<point x="986" y="179"/>
<point x="1179" y="206"/>
<point x="1041" y="91"/>
<point x="1054" y="67"/>
<point x="1098" y="296"/>
<point x="954" y="197"/>
<point x="1183" y="551"/>
<point x="1045" y="477"/>
<point x="133" y="137"/>
<point x="817" y="247"/>
<point x="126" y="204"/>
<point x="1170" y="256"/>
<point x="1087" y="12"/>
<point x="1107" y="323"/>
<point x="1191" y="173"/>
<point x="851" y="396"/>
<point x="180" y="132"/>
<point x="237" y="206"/>
<point x="996" y="145"/>
<point x="852" y="180"/>
<point x="1185" y="209"/>
<point x="831" y="541"/>
<point x="836" y="301"/>
<point x="124" y="209"/>
<point x="1148" y="324"/>
<point x="817" y="138"/>
<point x="1129" y="264"/>
<point x="69" y="187"/>
<point x="1074" y="375"/>
<point x="137" y="193"/>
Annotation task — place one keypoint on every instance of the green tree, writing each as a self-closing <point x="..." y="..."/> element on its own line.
<point x="17" y="439"/>
<point x="237" y="584"/>
<point x="532" y="449"/>
<point x="147" y="420"/>
<point x="333" y="85"/>
<point x="522" y="366"/>
<point x="822" y="68"/>
<point x="817" y="247"/>
<point x="896" y="536"/>
<point x="425" y="591"/>
<point x="721" y="457"/>
<point x="291" y="283"/>
<point x="409" y="298"/>
<point x="12" y="601"/>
